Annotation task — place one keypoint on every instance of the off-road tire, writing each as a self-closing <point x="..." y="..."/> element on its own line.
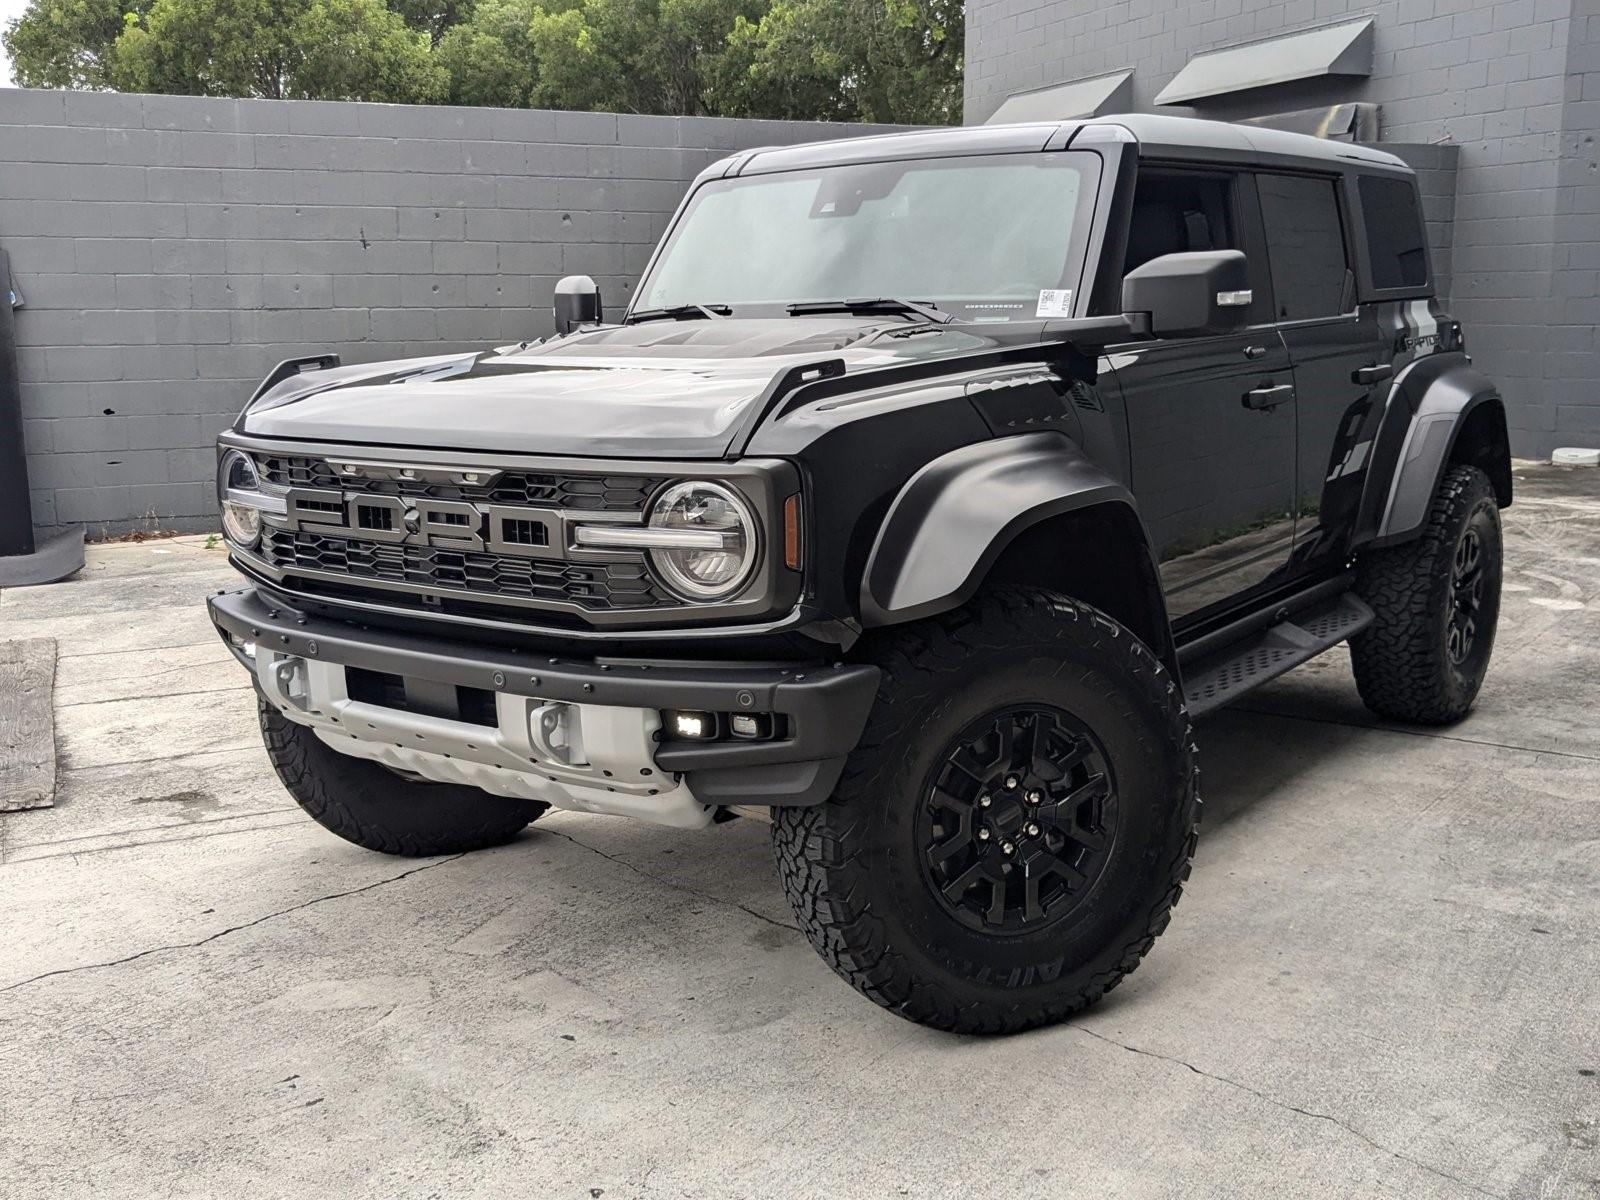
<point x="853" y="870"/>
<point x="375" y="808"/>
<point x="1403" y="665"/>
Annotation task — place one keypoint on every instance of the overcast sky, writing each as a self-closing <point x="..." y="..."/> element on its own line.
<point x="8" y="10"/>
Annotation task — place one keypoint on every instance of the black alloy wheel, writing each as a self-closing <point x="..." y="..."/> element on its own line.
<point x="1018" y="820"/>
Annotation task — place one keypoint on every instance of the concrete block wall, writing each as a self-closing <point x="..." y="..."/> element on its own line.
<point x="170" y="250"/>
<point x="1510" y="82"/>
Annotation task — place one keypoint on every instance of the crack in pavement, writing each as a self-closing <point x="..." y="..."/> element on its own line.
<point x="682" y="887"/>
<point x="222" y="933"/>
<point x="232" y="687"/>
<point x="134" y="649"/>
<point x="1294" y="1108"/>
<point x="1416" y="733"/>
<point x="20" y="857"/>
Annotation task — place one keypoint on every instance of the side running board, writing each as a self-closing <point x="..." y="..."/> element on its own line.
<point x="1234" y="670"/>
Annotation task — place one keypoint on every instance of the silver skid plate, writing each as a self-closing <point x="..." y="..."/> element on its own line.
<point x="586" y="757"/>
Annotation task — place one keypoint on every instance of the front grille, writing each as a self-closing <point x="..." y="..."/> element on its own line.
<point x="593" y="493"/>
<point x="489" y="576"/>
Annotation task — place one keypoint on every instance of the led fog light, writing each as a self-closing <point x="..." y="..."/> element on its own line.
<point x="693" y="726"/>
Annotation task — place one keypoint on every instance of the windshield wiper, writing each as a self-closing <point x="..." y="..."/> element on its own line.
<point x="679" y="312"/>
<point x="928" y="312"/>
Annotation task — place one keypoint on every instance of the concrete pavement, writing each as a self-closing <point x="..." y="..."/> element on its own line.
<point x="1383" y="980"/>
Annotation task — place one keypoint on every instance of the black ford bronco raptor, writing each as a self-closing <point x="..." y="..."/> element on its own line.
<point x="929" y="488"/>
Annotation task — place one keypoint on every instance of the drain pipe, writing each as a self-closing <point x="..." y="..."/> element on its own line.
<point x="24" y="558"/>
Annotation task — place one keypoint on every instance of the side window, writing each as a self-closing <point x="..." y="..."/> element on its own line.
<point x="1305" y="245"/>
<point x="1396" y="240"/>
<point x="1175" y="211"/>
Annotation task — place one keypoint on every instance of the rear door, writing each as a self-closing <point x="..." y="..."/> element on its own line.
<point x="1336" y="348"/>
<point x="1211" y="420"/>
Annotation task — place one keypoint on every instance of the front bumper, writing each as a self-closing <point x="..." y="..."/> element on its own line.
<point x="579" y="733"/>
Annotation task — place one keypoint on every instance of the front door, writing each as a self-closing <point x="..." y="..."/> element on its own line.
<point x="1211" y="436"/>
<point x="1211" y="421"/>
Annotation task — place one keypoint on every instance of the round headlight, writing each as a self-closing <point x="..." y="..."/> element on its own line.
<point x="241" y="522"/>
<point x="719" y="568"/>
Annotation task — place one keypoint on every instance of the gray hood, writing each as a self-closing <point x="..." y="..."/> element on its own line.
<point x="660" y="389"/>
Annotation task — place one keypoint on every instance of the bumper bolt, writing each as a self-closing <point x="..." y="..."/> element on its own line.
<point x="499" y="679"/>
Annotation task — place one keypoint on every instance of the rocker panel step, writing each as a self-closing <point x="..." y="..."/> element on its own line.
<point x="1268" y="653"/>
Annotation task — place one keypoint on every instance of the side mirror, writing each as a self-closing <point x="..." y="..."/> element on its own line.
<point x="1192" y="294"/>
<point x="577" y="303"/>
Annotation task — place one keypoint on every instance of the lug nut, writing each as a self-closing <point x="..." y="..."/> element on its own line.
<point x="1007" y="848"/>
<point x="984" y="801"/>
<point x="983" y="835"/>
<point x="1035" y="796"/>
<point x="1011" y="782"/>
<point x="1032" y="829"/>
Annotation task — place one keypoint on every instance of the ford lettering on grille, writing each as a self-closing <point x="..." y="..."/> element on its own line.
<point x="419" y="521"/>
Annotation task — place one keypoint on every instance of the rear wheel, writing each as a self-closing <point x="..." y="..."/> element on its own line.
<point x="375" y="808"/>
<point x="1437" y="603"/>
<point x="1011" y="834"/>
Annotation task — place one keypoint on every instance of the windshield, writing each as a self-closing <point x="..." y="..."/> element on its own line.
<point x="993" y="237"/>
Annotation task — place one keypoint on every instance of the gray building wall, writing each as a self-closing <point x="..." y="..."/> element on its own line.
<point x="171" y="250"/>
<point x="1515" y="84"/>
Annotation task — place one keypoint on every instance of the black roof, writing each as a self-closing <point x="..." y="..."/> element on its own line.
<point x="1158" y="136"/>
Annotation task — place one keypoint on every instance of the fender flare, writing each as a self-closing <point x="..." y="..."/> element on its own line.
<point x="1441" y="396"/>
<point x="955" y="516"/>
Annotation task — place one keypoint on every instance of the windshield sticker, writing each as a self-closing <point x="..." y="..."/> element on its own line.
<point x="1054" y="302"/>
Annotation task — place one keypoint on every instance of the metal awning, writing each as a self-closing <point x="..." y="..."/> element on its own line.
<point x="1335" y="50"/>
<point x="1063" y="101"/>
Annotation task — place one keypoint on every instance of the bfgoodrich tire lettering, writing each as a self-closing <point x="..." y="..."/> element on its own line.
<point x="1436" y="601"/>
<point x="373" y="807"/>
<point x="854" y="868"/>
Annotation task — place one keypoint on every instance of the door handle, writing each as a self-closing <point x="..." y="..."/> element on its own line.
<point x="1254" y="351"/>
<point x="1374" y="374"/>
<point x="1268" y="397"/>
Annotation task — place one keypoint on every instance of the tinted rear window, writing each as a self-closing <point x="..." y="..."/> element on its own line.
<point x="1395" y="237"/>
<point x="1305" y="245"/>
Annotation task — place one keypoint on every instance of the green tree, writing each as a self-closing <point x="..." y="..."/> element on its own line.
<point x="281" y="49"/>
<point x="843" y="60"/>
<point x="489" y="58"/>
<point x="896" y="61"/>
<point x="67" y="43"/>
<point x="644" y="56"/>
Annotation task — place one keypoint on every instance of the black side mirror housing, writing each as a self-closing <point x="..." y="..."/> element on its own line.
<point x="577" y="304"/>
<point x="1190" y="295"/>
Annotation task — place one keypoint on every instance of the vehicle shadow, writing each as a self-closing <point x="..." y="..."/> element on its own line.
<point x="1247" y="758"/>
<point x="1250" y="755"/>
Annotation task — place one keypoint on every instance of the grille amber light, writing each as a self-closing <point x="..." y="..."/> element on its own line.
<point x="791" y="533"/>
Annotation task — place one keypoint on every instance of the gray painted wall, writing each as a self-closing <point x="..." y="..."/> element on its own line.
<point x="1514" y="83"/>
<point x="171" y="250"/>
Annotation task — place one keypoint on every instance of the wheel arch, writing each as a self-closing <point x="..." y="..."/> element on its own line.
<point x="1026" y="509"/>
<point x="1457" y="417"/>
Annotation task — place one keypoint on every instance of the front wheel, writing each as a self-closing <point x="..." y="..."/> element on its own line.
<point x="1010" y="836"/>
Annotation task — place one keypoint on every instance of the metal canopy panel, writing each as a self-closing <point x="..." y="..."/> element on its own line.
<point x="1336" y="50"/>
<point x="1063" y="101"/>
